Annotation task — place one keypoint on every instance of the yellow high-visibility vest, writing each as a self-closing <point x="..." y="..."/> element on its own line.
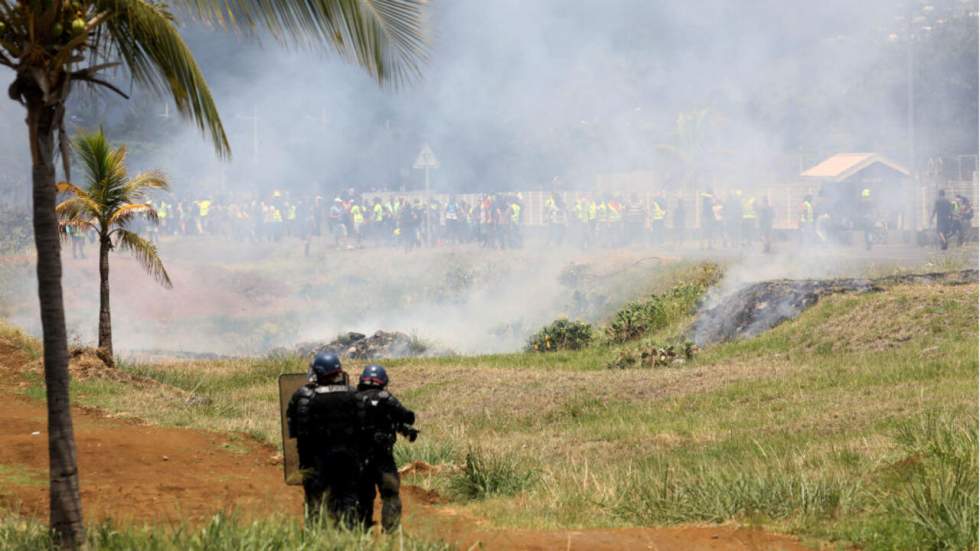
<point x="658" y="212"/>
<point x="806" y="212"/>
<point x="203" y="206"/>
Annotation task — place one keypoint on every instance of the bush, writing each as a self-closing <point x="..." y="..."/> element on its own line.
<point x="654" y="356"/>
<point x="642" y="317"/>
<point x="485" y="475"/>
<point x="561" y="334"/>
<point x="637" y="319"/>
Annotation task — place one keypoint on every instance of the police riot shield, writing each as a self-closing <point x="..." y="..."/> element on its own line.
<point x="289" y="383"/>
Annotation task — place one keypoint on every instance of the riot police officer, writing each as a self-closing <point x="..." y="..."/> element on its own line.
<point x="323" y="417"/>
<point x="382" y="415"/>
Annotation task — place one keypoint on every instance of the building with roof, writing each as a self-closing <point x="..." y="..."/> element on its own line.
<point x="856" y="186"/>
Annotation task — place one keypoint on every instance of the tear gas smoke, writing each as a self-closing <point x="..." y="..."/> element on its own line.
<point x="515" y="94"/>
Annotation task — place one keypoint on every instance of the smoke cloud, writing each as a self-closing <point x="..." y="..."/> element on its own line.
<point x="514" y="95"/>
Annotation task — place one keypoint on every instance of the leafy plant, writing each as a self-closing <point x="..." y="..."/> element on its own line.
<point x="654" y="356"/>
<point x="561" y="334"/>
<point x="642" y="317"/>
<point x="636" y="319"/>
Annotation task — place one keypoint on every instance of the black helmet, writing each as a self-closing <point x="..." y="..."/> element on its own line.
<point x="373" y="375"/>
<point x="324" y="364"/>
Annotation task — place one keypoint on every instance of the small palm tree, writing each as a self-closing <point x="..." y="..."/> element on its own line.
<point x="107" y="205"/>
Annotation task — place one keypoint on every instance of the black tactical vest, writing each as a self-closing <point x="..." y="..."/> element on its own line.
<point x="334" y="416"/>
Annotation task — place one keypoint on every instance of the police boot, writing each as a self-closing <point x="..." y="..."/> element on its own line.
<point x="391" y="503"/>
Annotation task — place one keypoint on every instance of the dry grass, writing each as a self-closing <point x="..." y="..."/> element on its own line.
<point x="897" y="317"/>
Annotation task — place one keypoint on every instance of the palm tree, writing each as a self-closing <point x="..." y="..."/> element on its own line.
<point x="107" y="206"/>
<point x="53" y="44"/>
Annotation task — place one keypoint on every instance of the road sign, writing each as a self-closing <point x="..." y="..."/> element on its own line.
<point x="426" y="158"/>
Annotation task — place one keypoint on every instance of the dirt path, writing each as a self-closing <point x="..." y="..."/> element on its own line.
<point x="140" y="473"/>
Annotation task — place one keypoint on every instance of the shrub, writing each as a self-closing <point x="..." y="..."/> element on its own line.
<point x="636" y="319"/>
<point x="654" y="356"/>
<point x="485" y="475"/>
<point x="561" y="334"/>
<point x="642" y="317"/>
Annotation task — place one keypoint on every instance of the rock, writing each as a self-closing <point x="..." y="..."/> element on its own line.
<point x="197" y="400"/>
<point x="357" y="346"/>
<point x="761" y="306"/>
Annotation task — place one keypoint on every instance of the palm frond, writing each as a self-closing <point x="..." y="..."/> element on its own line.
<point x="146" y="38"/>
<point x="125" y="213"/>
<point x="63" y="226"/>
<point x="154" y="179"/>
<point x="93" y="151"/>
<point x="145" y="253"/>
<point x="68" y="187"/>
<point x="77" y="208"/>
<point x="386" y="37"/>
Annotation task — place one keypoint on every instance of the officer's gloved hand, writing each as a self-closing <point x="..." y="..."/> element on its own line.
<point x="411" y="434"/>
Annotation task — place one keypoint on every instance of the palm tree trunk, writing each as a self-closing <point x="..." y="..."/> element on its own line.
<point x="105" y="321"/>
<point x="66" y="509"/>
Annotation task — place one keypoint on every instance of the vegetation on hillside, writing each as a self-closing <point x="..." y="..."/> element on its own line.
<point x="853" y="424"/>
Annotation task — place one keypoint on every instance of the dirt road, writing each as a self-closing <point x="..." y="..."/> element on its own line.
<point x="148" y="474"/>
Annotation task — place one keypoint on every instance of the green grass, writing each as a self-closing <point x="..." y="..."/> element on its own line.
<point x="486" y="474"/>
<point x="18" y="475"/>
<point x="850" y="425"/>
<point x="223" y="532"/>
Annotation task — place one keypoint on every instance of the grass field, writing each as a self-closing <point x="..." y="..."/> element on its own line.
<point x="854" y="424"/>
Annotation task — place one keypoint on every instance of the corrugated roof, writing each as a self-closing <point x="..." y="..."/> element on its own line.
<point x="844" y="165"/>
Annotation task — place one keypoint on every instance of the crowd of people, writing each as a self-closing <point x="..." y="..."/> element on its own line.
<point x="350" y="220"/>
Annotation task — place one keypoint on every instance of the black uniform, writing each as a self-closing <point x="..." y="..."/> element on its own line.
<point x="382" y="415"/>
<point x="324" y="421"/>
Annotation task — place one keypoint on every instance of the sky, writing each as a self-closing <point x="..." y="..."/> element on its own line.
<point x="516" y="93"/>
